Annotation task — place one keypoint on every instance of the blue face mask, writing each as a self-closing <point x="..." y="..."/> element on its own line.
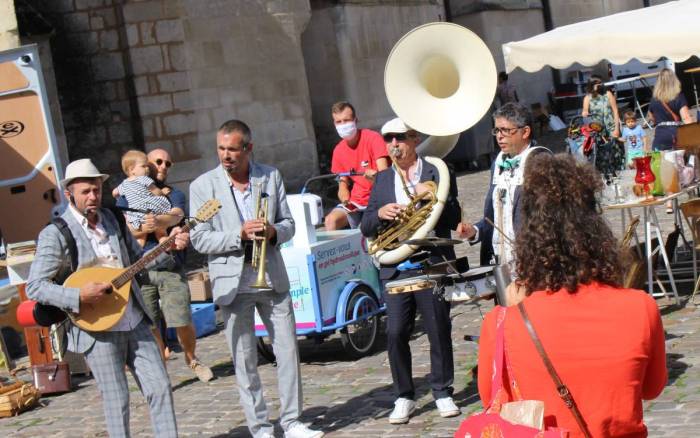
<point x="347" y="130"/>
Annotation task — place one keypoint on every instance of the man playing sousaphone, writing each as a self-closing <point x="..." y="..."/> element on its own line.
<point x="392" y="192"/>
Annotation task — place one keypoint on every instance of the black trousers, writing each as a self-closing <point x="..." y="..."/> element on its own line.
<point x="401" y="315"/>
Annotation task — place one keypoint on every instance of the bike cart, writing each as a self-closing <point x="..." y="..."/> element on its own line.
<point x="333" y="283"/>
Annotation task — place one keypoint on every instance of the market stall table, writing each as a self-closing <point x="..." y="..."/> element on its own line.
<point x="651" y="224"/>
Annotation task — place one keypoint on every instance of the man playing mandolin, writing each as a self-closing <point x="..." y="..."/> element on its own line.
<point x="100" y="242"/>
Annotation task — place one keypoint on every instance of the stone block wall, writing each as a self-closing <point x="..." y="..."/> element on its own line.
<point x="90" y="63"/>
<point x="155" y="38"/>
<point x="167" y="73"/>
<point x="572" y="11"/>
<point x="345" y="46"/>
<point x="495" y="28"/>
<point x="243" y="60"/>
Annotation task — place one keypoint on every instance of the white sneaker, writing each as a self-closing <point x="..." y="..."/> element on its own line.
<point x="447" y="407"/>
<point x="299" y="430"/>
<point x="403" y="408"/>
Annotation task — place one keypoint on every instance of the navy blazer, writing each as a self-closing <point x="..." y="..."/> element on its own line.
<point x="383" y="193"/>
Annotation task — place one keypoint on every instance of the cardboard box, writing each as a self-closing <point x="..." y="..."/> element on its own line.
<point x="204" y="319"/>
<point x="199" y="284"/>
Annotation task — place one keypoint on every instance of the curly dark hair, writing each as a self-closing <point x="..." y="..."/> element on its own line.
<point x="564" y="240"/>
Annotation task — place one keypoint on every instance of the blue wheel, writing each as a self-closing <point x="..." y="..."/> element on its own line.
<point x="360" y="337"/>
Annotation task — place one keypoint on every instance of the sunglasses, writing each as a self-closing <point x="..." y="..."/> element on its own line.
<point x="159" y="162"/>
<point x="399" y="137"/>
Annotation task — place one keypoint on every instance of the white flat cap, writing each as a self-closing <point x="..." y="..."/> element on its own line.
<point x="395" y="126"/>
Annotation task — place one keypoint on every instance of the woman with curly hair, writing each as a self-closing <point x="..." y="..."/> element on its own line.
<point x="605" y="342"/>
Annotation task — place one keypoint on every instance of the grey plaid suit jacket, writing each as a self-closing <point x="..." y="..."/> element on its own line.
<point x="52" y="260"/>
<point x="220" y="238"/>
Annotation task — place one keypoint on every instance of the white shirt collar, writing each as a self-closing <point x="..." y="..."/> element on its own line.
<point x="250" y="175"/>
<point x="82" y="220"/>
<point x="412" y="180"/>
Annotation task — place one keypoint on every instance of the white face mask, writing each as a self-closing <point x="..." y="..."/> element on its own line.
<point x="347" y="130"/>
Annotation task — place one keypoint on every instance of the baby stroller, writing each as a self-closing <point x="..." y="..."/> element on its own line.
<point x="588" y="143"/>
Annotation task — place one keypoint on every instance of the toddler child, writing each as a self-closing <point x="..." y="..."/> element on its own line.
<point x="634" y="138"/>
<point x="141" y="192"/>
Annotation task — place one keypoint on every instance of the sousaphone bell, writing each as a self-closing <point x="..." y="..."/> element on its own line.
<point x="440" y="79"/>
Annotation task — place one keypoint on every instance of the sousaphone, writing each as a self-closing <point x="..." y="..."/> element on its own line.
<point x="440" y="79"/>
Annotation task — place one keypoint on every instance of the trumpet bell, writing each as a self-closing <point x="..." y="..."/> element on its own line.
<point x="440" y="79"/>
<point x="260" y="283"/>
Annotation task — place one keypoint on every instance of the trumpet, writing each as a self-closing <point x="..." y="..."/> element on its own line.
<point x="260" y="246"/>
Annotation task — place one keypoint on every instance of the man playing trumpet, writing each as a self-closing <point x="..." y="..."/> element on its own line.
<point x="238" y="287"/>
<point x="392" y="192"/>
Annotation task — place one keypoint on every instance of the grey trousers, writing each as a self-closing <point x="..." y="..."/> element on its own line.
<point x="275" y="309"/>
<point x="138" y="350"/>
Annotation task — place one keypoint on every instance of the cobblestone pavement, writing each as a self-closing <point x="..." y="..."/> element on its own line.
<point x="349" y="398"/>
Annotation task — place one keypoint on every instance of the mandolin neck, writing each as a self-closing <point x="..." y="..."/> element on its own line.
<point x="130" y="272"/>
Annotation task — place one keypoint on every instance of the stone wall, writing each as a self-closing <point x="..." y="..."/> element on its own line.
<point x="239" y="59"/>
<point x="572" y="11"/>
<point x="167" y="73"/>
<point x="90" y="55"/>
<point x="496" y="28"/>
<point x="345" y="48"/>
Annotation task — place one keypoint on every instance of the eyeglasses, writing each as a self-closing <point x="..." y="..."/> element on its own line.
<point x="159" y="162"/>
<point x="402" y="136"/>
<point x="506" y="132"/>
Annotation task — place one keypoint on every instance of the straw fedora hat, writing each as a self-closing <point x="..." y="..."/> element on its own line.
<point x="82" y="169"/>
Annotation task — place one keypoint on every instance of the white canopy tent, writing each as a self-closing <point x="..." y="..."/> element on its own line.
<point x="671" y="29"/>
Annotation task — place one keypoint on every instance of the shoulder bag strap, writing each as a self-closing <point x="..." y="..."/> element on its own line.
<point x="497" y="365"/>
<point x="561" y="388"/>
<point x="673" y="114"/>
<point x="62" y="226"/>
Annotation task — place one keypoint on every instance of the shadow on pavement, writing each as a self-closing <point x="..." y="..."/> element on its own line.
<point x="375" y="404"/>
<point x="676" y="368"/>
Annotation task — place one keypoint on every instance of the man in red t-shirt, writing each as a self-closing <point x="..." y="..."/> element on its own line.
<point x="362" y="151"/>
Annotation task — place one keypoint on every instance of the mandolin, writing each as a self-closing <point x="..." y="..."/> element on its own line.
<point x="104" y="314"/>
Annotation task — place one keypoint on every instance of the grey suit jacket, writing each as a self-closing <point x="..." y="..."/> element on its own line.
<point x="220" y="238"/>
<point x="52" y="260"/>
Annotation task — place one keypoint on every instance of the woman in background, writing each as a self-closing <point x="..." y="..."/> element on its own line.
<point x="599" y="105"/>
<point x="605" y="342"/>
<point x="667" y="110"/>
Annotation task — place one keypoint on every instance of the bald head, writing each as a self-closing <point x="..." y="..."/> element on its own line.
<point x="159" y="162"/>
